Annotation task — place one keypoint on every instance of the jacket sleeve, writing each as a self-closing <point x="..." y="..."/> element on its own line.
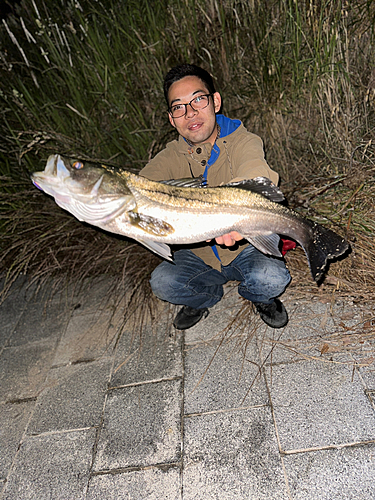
<point x="249" y="161"/>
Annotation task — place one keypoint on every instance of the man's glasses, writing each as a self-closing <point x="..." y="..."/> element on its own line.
<point x="199" y="102"/>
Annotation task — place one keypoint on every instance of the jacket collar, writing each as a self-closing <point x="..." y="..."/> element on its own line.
<point x="227" y="127"/>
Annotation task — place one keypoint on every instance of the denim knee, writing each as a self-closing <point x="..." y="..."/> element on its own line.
<point x="277" y="277"/>
<point x="264" y="284"/>
<point x="160" y="282"/>
<point x="187" y="285"/>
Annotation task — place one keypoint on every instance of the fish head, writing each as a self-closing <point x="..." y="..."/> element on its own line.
<point x="90" y="193"/>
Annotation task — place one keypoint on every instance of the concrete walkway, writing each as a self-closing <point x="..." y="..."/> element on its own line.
<point x="218" y="412"/>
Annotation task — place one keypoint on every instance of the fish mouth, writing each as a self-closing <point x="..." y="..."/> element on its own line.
<point x="54" y="172"/>
<point x="36" y="184"/>
<point x="46" y="183"/>
<point x="49" y="185"/>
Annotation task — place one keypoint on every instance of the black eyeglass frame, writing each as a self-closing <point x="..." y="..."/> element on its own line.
<point x="189" y="104"/>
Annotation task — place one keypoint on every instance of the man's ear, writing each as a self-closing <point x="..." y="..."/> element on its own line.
<point x="217" y="101"/>
<point x="171" y="121"/>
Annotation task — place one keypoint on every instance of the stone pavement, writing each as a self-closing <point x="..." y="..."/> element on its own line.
<point x="218" y="412"/>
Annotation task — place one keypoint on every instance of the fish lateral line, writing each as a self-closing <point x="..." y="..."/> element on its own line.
<point x="216" y="197"/>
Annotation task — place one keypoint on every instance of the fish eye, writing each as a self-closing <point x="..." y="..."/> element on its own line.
<point x="77" y="165"/>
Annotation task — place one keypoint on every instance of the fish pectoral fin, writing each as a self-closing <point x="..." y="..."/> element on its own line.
<point x="159" y="248"/>
<point x="151" y="225"/>
<point x="266" y="243"/>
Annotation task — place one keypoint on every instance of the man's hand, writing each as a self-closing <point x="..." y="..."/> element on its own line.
<point x="229" y="239"/>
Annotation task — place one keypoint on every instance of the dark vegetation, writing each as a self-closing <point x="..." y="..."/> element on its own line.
<point x="84" y="79"/>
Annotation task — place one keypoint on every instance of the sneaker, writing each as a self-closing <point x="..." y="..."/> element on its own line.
<point x="188" y="317"/>
<point x="274" y="315"/>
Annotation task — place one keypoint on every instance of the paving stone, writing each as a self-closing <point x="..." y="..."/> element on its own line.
<point x="14" y="418"/>
<point x="95" y="294"/>
<point x="319" y="404"/>
<point x="368" y="376"/>
<point x="232" y="455"/>
<point x="220" y="316"/>
<point x="7" y="326"/>
<point x="371" y="397"/>
<point x="52" y="466"/>
<point x="10" y="312"/>
<point x="87" y="337"/>
<point x="5" y="334"/>
<point x="311" y="325"/>
<point x="154" y="354"/>
<point x="40" y="322"/>
<point x="23" y="369"/>
<point x="141" y="426"/>
<point x="150" y="484"/>
<point x="73" y="397"/>
<point x="221" y="377"/>
<point x="228" y="454"/>
<point x="343" y="474"/>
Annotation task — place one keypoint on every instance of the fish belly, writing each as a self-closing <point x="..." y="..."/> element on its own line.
<point x="186" y="226"/>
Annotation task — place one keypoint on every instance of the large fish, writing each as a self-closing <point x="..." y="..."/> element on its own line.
<point x="157" y="214"/>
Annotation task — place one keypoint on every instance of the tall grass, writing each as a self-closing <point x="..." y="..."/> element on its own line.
<point x="84" y="79"/>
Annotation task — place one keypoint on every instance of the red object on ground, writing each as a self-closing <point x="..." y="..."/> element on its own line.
<point x="287" y="245"/>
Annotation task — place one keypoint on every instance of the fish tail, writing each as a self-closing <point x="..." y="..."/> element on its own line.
<point x="323" y="244"/>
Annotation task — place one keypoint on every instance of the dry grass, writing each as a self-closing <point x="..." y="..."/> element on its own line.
<point x="85" y="81"/>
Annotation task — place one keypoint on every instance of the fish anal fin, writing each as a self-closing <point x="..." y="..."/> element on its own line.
<point x="259" y="185"/>
<point x="150" y="225"/>
<point x="266" y="243"/>
<point x="159" y="248"/>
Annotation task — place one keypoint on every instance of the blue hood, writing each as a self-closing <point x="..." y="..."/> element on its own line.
<point x="227" y="125"/>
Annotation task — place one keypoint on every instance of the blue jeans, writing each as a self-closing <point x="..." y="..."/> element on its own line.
<point x="191" y="282"/>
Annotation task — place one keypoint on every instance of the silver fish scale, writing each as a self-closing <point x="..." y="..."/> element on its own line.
<point x="157" y="214"/>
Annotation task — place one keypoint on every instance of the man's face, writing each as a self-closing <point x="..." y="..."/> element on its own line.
<point x="196" y="126"/>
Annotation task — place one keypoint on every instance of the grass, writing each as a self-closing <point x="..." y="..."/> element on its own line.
<point x="84" y="79"/>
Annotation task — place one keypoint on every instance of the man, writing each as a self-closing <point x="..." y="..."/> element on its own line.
<point x="221" y="150"/>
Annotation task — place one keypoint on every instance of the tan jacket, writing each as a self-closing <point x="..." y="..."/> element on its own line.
<point x="241" y="157"/>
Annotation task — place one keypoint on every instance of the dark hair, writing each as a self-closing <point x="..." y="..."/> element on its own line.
<point x="182" y="70"/>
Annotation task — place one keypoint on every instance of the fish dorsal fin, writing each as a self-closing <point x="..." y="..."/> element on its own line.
<point x="265" y="243"/>
<point x="259" y="185"/>
<point x="195" y="182"/>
